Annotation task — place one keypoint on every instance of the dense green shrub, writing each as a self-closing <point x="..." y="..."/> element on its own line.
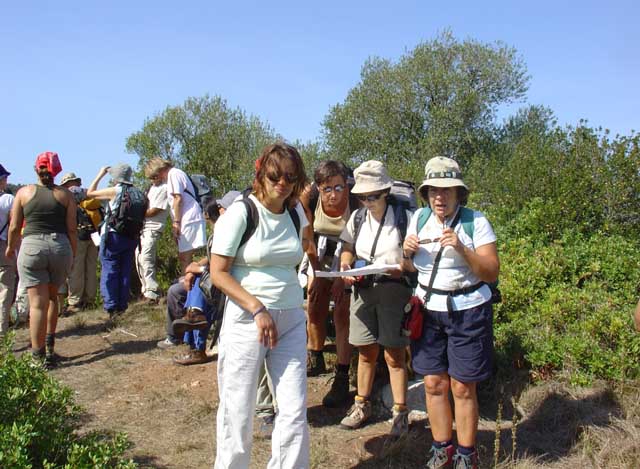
<point x="567" y="306"/>
<point x="39" y="422"/>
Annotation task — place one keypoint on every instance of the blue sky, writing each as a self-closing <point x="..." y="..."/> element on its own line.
<point x="78" y="77"/>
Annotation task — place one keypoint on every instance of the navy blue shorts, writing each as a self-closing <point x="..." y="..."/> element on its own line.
<point x="458" y="343"/>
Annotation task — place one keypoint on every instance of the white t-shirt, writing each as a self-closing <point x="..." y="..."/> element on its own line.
<point x="157" y="196"/>
<point x="389" y="247"/>
<point x="6" y="201"/>
<point x="453" y="271"/>
<point x="178" y="183"/>
<point x="266" y="264"/>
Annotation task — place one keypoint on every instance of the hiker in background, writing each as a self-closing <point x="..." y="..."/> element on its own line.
<point x="188" y="225"/>
<point x="46" y="252"/>
<point x="82" y="283"/>
<point x="151" y="232"/>
<point x="263" y="318"/>
<point x="454" y="251"/>
<point x="8" y="269"/>
<point x="377" y="302"/>
<point x="194" y="325"/>
<point x="328" y="205"/>
<point x="119" y="234"/>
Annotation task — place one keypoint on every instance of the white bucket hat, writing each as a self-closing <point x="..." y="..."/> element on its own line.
<point x="371" y="176"/>
<point x="441" y="171"/>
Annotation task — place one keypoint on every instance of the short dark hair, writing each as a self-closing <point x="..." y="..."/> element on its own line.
<point x="212" y="210"/>
<point x="328" y="169"/>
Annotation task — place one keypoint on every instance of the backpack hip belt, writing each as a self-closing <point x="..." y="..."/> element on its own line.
<point x="451" y="293"/>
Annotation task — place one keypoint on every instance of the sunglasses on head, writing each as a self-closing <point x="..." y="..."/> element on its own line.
<point x="336" y="188"/>
<point x="288" y="177"/>
<point x="370" y="197"/>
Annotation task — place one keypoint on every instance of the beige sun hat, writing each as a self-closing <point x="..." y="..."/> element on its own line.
<point x="441" y="171"/>
<point x="69" y="177"/>
<point x="371" y="176"/>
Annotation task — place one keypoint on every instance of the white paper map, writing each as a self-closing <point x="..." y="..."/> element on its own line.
<point x="366" y="270"/>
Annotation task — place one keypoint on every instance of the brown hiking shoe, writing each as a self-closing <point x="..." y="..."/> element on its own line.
<point x="194" y="357"/>
<point x="339" y="392"/>
<point x="315" y="363"/>
<point x="358" y="414"/>
<point x="192" y="319"/>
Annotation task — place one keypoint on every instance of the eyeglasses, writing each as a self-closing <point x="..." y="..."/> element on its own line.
<point x="370" y="197"/>
<point x="288" y="177"/>
<point x="336" y="188"/>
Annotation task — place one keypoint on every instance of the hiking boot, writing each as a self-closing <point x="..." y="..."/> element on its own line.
<point x="72" y="309"/>
<point x="168" y="343"/>
<point x="464" y="461"/>
<point x="441" y="458"/>
<point x="357" y="415"/>
<point x="193" y="319"/>
<point x="399" y="422"/>
<point x="339" y="392"/>
<point x="51" y="360"/>
<point x="264" y="427"/>
<point x="315" y="363"/>
<point x="194" y="357"/>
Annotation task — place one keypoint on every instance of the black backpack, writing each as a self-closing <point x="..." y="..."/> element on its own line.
<point x="129" y="215"/>
<point x="84" y="223"/>
<point x="201" y="188"/>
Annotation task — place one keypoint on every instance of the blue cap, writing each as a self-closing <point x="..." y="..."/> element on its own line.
<point x="3" y="172"/>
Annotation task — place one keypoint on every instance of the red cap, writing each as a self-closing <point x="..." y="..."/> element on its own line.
<point x="49" y="160"/>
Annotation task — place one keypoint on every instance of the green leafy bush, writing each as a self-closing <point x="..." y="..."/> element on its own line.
<point x="39" y="421"/>
<point x="567" y="307"/>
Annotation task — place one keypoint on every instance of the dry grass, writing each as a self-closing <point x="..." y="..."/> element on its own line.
<point x="127" y="384"/>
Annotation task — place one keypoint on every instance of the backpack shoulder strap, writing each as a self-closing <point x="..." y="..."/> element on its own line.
<point x="466" y="219"/>
<point x="194" y="195"/>
<point x="361" y="213"/>
<point x="314" y="196"/>
<point x="423" y="216"/>
<point x="295" y="218"/>
<point x="400" y="220"/>
<point x="252" y="219"/>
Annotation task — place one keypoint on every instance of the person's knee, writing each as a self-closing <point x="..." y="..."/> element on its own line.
<point x="368" y="355"/>
<point x="395" y="358"/>
<point x="463" y="390"/>
<point x="436" y="385"/>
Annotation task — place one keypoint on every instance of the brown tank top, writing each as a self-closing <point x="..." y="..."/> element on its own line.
<point x="326" y="225"/>
<point x="43" y="214"/>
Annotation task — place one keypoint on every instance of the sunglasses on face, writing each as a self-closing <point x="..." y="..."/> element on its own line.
<point x="288" y="177"/>
<point x="336" y="188"/>
<point x="370" y="197"/>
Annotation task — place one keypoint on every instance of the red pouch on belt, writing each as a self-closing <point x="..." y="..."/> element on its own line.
<point x="413" y="318"/>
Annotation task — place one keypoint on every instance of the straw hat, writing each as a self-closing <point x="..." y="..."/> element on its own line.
<point x="121" y="173"/>
<point x="371" y="176"/>
<point x="441" y="171"/>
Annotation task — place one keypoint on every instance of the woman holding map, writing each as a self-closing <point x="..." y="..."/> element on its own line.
<point x="372" y="237"/>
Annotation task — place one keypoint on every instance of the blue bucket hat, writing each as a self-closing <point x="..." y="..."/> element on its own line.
<point x="3" y="172"/>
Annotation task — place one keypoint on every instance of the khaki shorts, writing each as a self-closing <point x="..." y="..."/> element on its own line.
<point x="44" y="259"/>
<point x="192" y="236"/>
<point x="376" y="315"/>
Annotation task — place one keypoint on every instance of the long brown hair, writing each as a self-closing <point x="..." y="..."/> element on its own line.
<point x="271" y="160"/>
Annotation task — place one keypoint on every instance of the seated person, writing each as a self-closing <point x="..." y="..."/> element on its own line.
<point x="193" y="310"/>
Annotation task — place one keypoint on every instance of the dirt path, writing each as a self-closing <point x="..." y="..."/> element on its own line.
<point x="126" y="383"/>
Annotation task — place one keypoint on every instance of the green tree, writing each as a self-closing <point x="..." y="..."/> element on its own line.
<point x="439" y="98"/>
<point x="204" y="135"/>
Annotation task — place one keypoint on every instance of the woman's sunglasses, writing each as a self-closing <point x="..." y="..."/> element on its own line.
<point x="288" y="177"/>
<point x="370" y="197"/>
<point x="336" y="188"/>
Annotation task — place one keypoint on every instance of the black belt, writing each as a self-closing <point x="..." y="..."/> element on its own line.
<point x="450" y="293"/>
